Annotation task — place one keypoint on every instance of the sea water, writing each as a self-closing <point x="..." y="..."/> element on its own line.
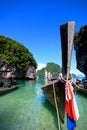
<point x="28" y="109"/>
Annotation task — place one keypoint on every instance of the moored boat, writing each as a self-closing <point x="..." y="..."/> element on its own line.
<point x="55" y="91"/>
<point x="82" y="85"/>
<point x="82" y="90"/>
<point x="7" y="82"/>
<point x="60" y="96"/>
<point x="4" y="90"/>
<point x="53" y="79"/>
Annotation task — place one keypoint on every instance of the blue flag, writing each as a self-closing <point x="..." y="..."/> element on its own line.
<point x="71" y="124"/>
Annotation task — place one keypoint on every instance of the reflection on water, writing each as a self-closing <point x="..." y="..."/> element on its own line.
<point x="41" y="98"/>
<point x="26" y="109"/>
<point x="82" y="105"/>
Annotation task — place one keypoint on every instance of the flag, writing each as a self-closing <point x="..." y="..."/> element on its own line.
<point x="71" y="124"/>
<point x="71" y="106"/>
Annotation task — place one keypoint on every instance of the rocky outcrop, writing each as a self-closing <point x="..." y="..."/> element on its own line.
<point x="7" y="72"/>
<point x="30" y="73"/>
<point x="15" y="58"/>
<point x="80" y="46"/>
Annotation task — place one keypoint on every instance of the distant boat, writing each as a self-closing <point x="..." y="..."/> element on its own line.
<point x="82" y="85"/>
<point x="48" y="76"/>
<point x="7" y="82"/>
<point x="82" y="90"/>
<point x="53" y="79"/>
<point x="67" y="35"/>
<point x="4" y="90"/>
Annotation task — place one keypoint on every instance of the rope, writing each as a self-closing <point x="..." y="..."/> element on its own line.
<point x="56" y="106"/>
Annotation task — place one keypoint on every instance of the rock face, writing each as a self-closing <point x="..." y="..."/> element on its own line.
<point x="30" y="73"/>
<point x="15" y="58"/>
<point x="80" y="46"/>
<point x="7" y="72"/>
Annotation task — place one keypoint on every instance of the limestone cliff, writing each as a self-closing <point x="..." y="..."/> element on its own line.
<point x="7" y="72"/>
<point x="80" y="46"/>
<point x="15" y="59"/>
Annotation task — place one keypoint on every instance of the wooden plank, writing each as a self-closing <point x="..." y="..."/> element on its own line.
<point x="67" y="36"/>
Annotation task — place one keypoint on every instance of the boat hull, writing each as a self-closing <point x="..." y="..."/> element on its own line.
<point x="7" y="90"/>
<point x="82" y="90"/>
<point x="79" y="89"/>
<point x="60" y="96"/>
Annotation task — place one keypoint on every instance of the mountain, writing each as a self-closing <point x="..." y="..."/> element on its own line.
<point x="54" y="68"/>
<point x="15" y="57"/>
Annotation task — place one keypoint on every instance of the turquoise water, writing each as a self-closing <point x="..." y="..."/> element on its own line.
<point x="26" y="109"/>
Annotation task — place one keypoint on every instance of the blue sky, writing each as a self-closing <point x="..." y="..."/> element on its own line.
<point x="36" y="24"/>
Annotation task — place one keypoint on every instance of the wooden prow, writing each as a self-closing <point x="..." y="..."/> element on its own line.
<point x="67" y="36"/>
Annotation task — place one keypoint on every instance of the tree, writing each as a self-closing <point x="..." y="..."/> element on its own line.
<point x="54" y="68"/>
<point x="15" y="54"/>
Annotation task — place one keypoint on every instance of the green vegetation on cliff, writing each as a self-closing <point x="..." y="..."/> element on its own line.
<point x="15" y="54"/>
<point x="55" y="69"/>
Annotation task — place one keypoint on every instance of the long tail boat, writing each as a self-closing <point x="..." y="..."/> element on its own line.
<point x="82" y="90"/>
<point x="67" y="36"/>
<point x="4" y="90"/>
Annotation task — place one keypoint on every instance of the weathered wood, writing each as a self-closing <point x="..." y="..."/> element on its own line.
<point x="67" y="35"/>
<point x="60" y="96"/>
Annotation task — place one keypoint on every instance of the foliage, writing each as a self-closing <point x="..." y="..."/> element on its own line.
<point x="15" y="54"/>
<point x="41" y="73"/>
<point x="55" y="69"/>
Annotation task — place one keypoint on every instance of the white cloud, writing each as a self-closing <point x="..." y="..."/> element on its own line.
<point x="40" y="66"/>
